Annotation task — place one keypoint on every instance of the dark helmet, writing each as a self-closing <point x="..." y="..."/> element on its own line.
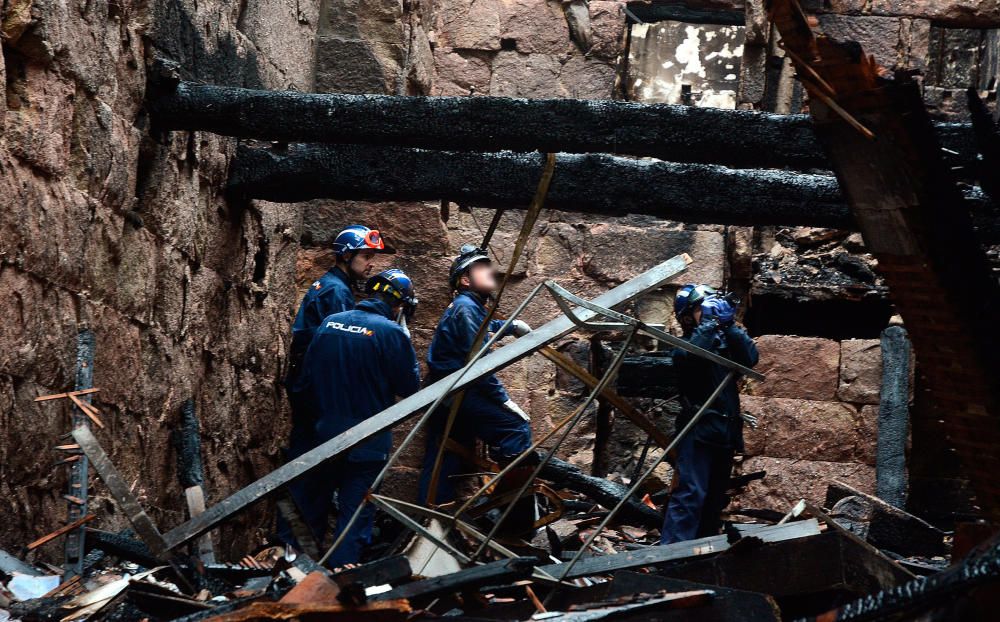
<point x="468" y="255"/>
<point x="359" y="238"/>
<point x="394" y="284"/>
<point x="689" y="297"/>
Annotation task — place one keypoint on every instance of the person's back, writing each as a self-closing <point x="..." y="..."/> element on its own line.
<point x="357" y="363"/>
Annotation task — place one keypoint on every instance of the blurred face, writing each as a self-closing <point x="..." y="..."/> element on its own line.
<point x="481" y="278"/>
<point x="690" y="320"/>
<point x="360" y="265"/>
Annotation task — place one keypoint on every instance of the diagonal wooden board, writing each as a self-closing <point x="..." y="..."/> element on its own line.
<point x="404" y="409"/>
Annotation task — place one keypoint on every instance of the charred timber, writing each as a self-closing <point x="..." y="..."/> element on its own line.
<point x="607" y="493"/>
<point x="589" y="183"/>
<point x="737" y="138"/>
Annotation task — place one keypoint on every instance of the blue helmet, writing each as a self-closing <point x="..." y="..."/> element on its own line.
<point x="359" y="238"/>
<point x="689" y="297"/>
<point x="394" y="284"/>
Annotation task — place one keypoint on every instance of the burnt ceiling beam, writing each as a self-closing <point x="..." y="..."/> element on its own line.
<point x="587" y="183"/>
<point x="646" y="11"/>
<point x="736" y="138"/>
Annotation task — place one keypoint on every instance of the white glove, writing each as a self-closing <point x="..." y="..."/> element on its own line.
<point x="519" y="328"/>
<point x="402" y="324"/>
<point x="517" y="410"/>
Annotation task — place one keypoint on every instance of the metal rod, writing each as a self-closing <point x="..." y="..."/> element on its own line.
<point x="79" y="470"/>
<point x="635" y="485"/>
<point x="417" y="527"/>
<point x="426" y="417"/>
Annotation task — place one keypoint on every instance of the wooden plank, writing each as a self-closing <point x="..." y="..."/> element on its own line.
<point x="395" y="569"/>
<point x="604" y="564"/>
<point x="404" y="409"/>
<point x="57" y="396"/>
<point x="62" y="530"/>
<point x="494" y="573"/>
<point x="144" y="525"/>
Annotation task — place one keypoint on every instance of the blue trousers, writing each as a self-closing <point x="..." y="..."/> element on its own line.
<point x="504" y="432"/>
<point x="313" y="493"/>
<point x="695" y="507"/>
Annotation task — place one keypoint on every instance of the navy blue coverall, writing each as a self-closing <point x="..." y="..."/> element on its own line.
<point x="705" y="454"/>
<point x="482" y="413"/>
<point x="359" y="361"/>
<point x="329" y="294"/>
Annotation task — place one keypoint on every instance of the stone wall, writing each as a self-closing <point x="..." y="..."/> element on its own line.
<point x="109" y="227"/>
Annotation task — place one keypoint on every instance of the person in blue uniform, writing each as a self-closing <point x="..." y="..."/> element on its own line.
<point x="705" y="454"/>
<point x="357" y="364"/>
<point x="355" y="249"/>
<point x="486" y="411"/>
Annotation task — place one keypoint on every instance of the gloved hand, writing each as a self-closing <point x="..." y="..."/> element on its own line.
<point x="519" y="328"/>
<point x="718" y="309"/>
<point x="401" y="320"/>
<point x="517" y="410"/>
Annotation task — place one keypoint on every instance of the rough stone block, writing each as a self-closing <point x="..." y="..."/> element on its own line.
<point x="460" y="72"/>
<point x="535" y="26"/>
<point x="860" y="371"/>
<point x="525" y="75"/>
<point x="806" y="429"/>
<point x="469" y="24"/>
<point x="587" y="78"/>
<point x="896" y="43"/>
<point x="604" y="260"/>
<point x="353" y="66"/>
<point x="787" y="481"/>
<point x="798" y="367"/>
<point x="39" y="116"/>
<point x="284" y="31"/>
<point x="607" y="27"/>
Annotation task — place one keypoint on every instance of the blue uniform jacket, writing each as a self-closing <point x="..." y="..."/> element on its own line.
<point x="452" y="343"/>
<point x="721" y="425"/>
<point x="356" y="364"/>
<point x="329" y="294"/>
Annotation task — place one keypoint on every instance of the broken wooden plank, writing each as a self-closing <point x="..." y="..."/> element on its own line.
<point x="676" y="133"/>
<point x="58" y="396"/>
<point x="144" y="525"/>
<point x="62" y="530"/>
<point x="494" y="573"/>
<point x="893" y="418"/>
<point x="655" y="555"/>
<point x="389" y="570"/>
<point x="407" y="408"/>
<point x="635" y="605"/>
<point x="727" y="605"/>
<point x="890" y="528"/>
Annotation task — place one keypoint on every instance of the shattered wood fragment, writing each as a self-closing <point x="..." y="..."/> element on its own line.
<point x="492" y="573"/>
<point x="656" y="555"/>
<point x="315" y="588"/>
<point x="122" y="546"/>
<point x="893" y="529"/>
<point x="144" y="525"/>
<point x="62" y="530"/>
<point x="727" y="604"/>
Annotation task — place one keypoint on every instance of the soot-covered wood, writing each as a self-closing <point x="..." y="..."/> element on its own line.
<point x="737" y="138"/>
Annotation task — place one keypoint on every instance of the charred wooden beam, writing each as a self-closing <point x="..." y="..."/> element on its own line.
<point x="588" y="183"/>
<point x="645" y="11"/>
<point x="494" y="573"/>
<point x="893" y="418"/>
<point x="607" y="493"/>
<point x="669" y="132"/>
<point x="650" y="375"/>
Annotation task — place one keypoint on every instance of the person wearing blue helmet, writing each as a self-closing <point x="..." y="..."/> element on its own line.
<point x="357" y="364"/>
<point x="705" y="454"/>
<point x="354" y="250"/>
<point x="486" y="410"/>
